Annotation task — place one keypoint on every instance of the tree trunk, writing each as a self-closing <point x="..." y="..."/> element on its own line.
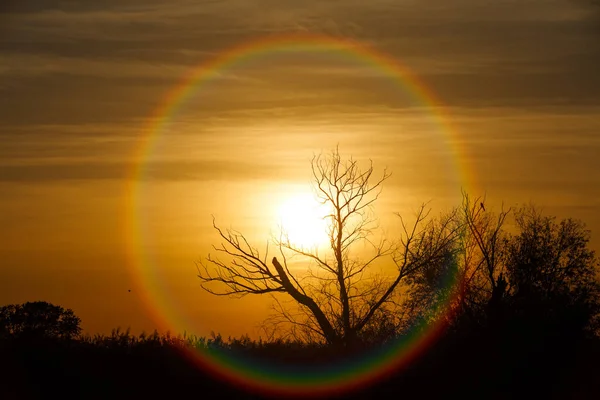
<point x="328" y="331"/>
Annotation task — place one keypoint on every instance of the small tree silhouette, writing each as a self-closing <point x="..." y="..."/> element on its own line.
<point x="542" y="273"/>
<point x="483" y="271"/>
<point x="38" y="319"/>
<point x="341" y="297"/>
<point x="553" y="273"/>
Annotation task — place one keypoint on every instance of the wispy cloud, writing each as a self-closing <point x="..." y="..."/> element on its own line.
<point x="153" y="171"/>
<point x="82" y="64"/>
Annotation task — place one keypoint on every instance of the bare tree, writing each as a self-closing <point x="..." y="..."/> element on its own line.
<point x="340" y="296"/>
<point x="475" y="262"/>
<point x="483" y="281"/>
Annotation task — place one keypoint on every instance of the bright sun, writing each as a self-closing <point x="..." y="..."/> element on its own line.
<point x="302" y="217"/>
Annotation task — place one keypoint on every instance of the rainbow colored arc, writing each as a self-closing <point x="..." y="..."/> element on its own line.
<point x="258" y="377"/>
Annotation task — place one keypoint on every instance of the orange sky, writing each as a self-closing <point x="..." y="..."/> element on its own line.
<point x="80" y="83"/>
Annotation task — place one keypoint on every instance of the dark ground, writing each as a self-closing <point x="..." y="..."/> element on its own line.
<point x="491" y="365"/>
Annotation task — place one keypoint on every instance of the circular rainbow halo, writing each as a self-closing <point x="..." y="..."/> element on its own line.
<point x="299" y="215"/>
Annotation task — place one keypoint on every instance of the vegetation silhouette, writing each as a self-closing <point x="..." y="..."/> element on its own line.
<point x="38" y="319"/>
<point x="346" y="300"/>
<point x="342" y="299"/>
<point x="522" y="319"/>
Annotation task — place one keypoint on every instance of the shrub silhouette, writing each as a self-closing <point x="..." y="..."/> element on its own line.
<point x="38" y="319"/>
<point x="552" y="270"/>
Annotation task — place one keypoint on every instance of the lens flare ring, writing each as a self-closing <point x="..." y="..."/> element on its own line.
<point x="251" y="374"/>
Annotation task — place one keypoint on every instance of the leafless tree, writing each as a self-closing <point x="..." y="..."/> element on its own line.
<point x="340" y="296"/>
<point x="474" y="262"/>
<point x="481" y="267"/>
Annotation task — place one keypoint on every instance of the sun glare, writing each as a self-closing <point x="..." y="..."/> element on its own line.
<point x="302" y="218"/>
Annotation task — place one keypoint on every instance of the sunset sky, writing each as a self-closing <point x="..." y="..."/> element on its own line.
<point x="88" y="210"/>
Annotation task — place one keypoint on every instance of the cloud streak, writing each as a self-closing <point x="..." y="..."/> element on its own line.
<point x="552" y="38"/>
<point x="153" y="171"/>
<point x="77" y="65"/>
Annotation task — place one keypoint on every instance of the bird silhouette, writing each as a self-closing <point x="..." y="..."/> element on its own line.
<point x="482" y="207"/>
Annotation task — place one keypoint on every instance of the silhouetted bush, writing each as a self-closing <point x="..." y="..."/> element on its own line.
<point x="474" y="364"/>
<point x="38" y="319"/>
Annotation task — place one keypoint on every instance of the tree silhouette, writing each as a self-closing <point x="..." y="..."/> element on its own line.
<point x="482" y="271"/>
<point x="543" y="273"/>
<point x="38" y="319"/>
<point x="552" y="272"/>
<point x="473" y="260"/>
<point x="341" y="296"/>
